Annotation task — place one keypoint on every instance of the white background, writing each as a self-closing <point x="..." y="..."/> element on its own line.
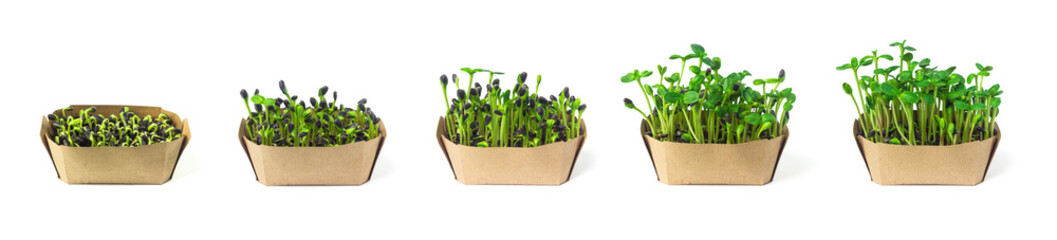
<point x="193" y="57"/>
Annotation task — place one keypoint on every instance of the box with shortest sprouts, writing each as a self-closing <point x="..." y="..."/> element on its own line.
<point x="114" y="144"/>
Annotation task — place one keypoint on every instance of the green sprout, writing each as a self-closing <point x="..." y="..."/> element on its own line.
<point x="916" y="103"/>
<point x="286" y="122"/>
<point x="710" y="107"/>
<point x="125" y="129"/>
<point x="488" y="116"/>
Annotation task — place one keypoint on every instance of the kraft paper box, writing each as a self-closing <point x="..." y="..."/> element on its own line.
<point x="549" y="164"/>
<point x="150" y="164"/>
<point x="750" y="163"/>
<point x="961" y="164"/>
<point x="348" y="164"/>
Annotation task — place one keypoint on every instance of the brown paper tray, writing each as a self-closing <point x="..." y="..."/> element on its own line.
<point x="750" y="163"/>
<point x="349" y="164"/>
<point x="961" y="164"/>
<point x="549" y="164"/>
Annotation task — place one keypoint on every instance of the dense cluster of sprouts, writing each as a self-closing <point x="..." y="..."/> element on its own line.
<point x="711" y="107"/>
<point x="488" y="116"/>
<point x="286" y="122"/>
<point x="125" y="129"/>
<point x="916" y="103"/>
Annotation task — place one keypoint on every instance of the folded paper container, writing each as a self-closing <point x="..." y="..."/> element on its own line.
<point x="348" y="164"/>
<point x="549" y="164"/>
<point x="150" y="164"/>
<point x="961" y="164"/>
<point x="750" y="163"/>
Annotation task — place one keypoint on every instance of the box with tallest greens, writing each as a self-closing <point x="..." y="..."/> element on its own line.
<point x="920" y="124"/>
<point x="518" y="136"/>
